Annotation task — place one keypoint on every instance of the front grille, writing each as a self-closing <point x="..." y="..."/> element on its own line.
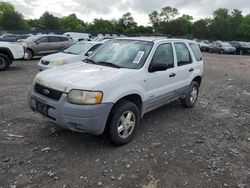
<point x="43" y="62"/>
<point x="48" y="92"/>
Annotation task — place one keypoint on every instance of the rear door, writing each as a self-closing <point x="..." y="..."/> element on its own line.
<point x="55" y="45"/>
<point x="184" y="69"/>
<point x="161" y="84"/>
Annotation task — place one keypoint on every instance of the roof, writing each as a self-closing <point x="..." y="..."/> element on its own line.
<point x="154" y="39"/>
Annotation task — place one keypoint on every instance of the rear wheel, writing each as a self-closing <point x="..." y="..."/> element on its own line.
<point x="241" y="52"/>
<point x="192" y="95"/>
<point x="4" y="62"/>
<point x="221" y="51"/>
<point x="124" y="120"/>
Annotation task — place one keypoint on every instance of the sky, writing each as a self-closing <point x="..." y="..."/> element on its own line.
<point x="87" y="10"/>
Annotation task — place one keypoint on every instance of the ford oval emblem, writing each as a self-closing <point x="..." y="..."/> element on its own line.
<point x="46" y="92"/>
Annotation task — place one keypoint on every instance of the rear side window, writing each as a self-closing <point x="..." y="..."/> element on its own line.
<point x="196" y="50"/>
<point x="164" y="54"/>
<point x="53" y="39"/>
<point x="57" y="39"/>
<point x="183" y="55"/>
<point x="63" y="39"/>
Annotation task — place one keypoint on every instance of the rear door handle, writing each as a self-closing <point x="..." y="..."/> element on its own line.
<point x="172" y="75"/>
<point x="191" y="70"/>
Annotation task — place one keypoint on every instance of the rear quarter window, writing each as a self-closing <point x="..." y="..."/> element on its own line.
<point x="196" y="50"/>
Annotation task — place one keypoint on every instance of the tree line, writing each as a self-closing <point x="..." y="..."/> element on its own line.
<point x="223" y="25"/>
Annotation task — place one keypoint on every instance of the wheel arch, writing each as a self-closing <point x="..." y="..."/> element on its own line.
<point x="28" y="48"/>
<point x="197" y="79"/>
<point x="7" y="52"/>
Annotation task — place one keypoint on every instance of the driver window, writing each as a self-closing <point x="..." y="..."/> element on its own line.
<point x="43" y="39"/>
<point x="164" y="55"/>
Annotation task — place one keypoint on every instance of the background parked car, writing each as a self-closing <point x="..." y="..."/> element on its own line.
<point x="222" y="47"/>
<point x="203" y="46"/>
<point x="46" y="44"/>
<point x="241" y="47"/>
<point x="13" y="37"/>
<point x="75" y="53"/>
<point x="78" y="36"/>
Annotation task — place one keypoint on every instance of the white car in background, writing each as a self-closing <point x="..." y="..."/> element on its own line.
<point x="75" y="53"/>
<point x="78" y="36"/>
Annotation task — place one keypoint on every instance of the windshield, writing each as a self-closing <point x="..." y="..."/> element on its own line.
<point x="122" y="53"/>
<point x="31" y="38"/>
<point x="78" y="48"/>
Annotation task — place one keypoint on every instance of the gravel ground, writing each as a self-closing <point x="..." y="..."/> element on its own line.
<point x="206" y="146"/>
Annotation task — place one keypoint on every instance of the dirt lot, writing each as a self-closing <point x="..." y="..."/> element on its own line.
<point x="206" y="146"/>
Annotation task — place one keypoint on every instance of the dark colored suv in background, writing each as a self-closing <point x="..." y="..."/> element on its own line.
<point x="241" y="47"/>
<point x="39" y="45"/>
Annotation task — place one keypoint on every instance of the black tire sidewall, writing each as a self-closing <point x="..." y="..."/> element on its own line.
<point x="115" y="115"/>
<point x="7" y="62"/>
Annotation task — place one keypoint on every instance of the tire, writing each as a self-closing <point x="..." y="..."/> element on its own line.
<point x="221" y="51"/>
<point x="241" y="52"/>
<point x="124" y="110"/>
<point x="30" y="54"/>
<point x="4" y="62"/>
<point x="192" y="95"/>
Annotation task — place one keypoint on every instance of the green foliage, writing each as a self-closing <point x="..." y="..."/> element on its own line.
<point x="244" y="28"/>
<point x="224" y="25"/>
<point x="49" y="21"/>
<point x="10" y="19"/>
<point x="71" y="22"/>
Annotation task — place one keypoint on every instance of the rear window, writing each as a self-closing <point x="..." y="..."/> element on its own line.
<point x="196" y="50"/>
<point x="63" y="39"/>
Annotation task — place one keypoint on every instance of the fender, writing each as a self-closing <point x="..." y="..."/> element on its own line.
<point x="7" y="51"/>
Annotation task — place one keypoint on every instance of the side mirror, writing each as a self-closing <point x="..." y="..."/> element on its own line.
<point x="37" y="42"/>
<point x="89" y="53"/>
<point x="154" y="67"/>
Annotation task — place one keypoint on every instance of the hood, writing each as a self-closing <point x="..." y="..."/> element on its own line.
<point x="81" y="76"/>
<point x="61" y="56"/>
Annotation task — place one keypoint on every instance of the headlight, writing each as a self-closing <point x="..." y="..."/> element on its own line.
<point x="58" y="63"/>
<point x="84" y="97"/>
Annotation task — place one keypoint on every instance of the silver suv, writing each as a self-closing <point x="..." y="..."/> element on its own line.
<point x="40" y="45"/>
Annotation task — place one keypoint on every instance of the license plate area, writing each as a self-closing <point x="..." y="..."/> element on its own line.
<point x="42" y="108"/>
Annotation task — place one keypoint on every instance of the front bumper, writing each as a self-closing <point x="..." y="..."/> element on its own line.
<point x="81" y="118"/>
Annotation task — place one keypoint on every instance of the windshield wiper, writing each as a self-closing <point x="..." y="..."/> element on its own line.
<point x="70" y="53"/>
<point x="89" y="61"/>
<point x="108" y="64"/>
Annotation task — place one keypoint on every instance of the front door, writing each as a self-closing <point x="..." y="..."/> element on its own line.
<point x="41" y="46"/>
<point x="161" y="84"/>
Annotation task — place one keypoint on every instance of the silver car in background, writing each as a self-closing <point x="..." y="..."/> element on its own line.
<point x="40" y="45"/>
<point x="75" y="53"/>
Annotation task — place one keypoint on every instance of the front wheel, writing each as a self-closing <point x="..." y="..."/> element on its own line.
<point x="29" y="54"/>
<point x="4" y="62"/>
<point x="123" y="123"/>
<point x="192" y="95"/>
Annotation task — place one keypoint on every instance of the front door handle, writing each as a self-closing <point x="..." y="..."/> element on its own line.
<point x="172" y="75"/>
<point x="191" y="70"/>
